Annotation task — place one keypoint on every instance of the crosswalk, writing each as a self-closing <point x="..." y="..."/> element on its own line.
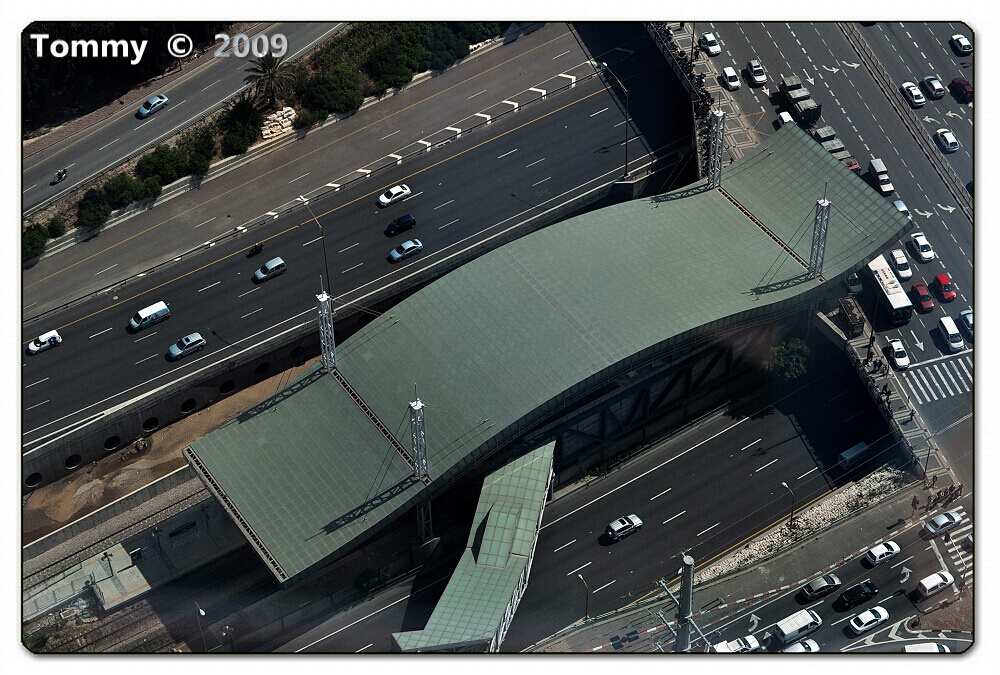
<point x="959" y="549"/>
<point x="939" y="380"/>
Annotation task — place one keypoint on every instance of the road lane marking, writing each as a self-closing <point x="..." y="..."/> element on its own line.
<point x="34" y="383"/>
<point x="145" y="336"/>
<point x="598" y="112"/>
<point x="580" y="568"/>
<point x="147" y="359"/>
<point x="541" y="181"/>
<point x="351" y="268"/>
<point x="38" y="404"/>
<point x="815" y="468"/>
<point x="348" y="248"/>
<point x="661" y="494"/>
<point x="534" y="163"/>
<point x="929" y="388"/>
<point x="252" y="290"/>
<point x="447" y="224"/>
<point x="602" y="587"/>
<point x="443" y="205"/>
<point x="312" y="241"/>
<point x="476" y="94"/>
<point x="962" y="363"/>
<point x="677" y="516"/>
<point x="767" y="465"/>
<point x="958" y="375"/>
<point x="565" y="545"/>
<point x="295" y="179"/>
<point x="751" y="444"/>
<point x="105" y="269"/>
<point x="205" y="223"/>
<point x="364" y="648"/>
<point x="707" y="529"/>
<point x="892" y="567"/>
<point x="251" y="313"/>
<point x="392" y="134"/>
<point x="937" y="369"/>
<point x="507" y="153"/>
<point x="209" y="286"/>
<point x="101" y="333"/>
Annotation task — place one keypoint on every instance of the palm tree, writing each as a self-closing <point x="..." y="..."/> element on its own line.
<point x="269" y="77"/>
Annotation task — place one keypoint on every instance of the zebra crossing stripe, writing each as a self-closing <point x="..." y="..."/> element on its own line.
<point x="920" y="387"/>
<point x="924" y="378"/>
<point x="943" y="381"/>
<point x="916" y="396"/>
<point x="961" y="381"/>
<point x="962" y="363"/>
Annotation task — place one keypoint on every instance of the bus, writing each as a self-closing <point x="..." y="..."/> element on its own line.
<point x="891" y="294"/>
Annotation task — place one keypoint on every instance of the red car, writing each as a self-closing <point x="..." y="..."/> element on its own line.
<point x="922" y="298"/>
<point x="945" y="289"/>
<point x="962" y="90"/>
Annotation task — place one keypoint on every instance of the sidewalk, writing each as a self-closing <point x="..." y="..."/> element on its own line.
<point x="640" y="629"/>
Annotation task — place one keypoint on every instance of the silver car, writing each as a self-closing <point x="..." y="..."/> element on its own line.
<point x="708" y="42"/>
<point x="943" y="523"/>
<point x="755" y="72"/>
<point x="151" y="106"/>
<point x="393" y="195"/>
<point x="869" y="619"/>
<point x="405" y="250"/>
<point x="947" y="140"/>
<point x="882" y="552"/>
<point x="932" y="85"/>
<point x="187" y="345"/>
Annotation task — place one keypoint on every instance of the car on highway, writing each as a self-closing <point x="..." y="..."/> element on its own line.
<point x="922" y="297"/>
<point x="784" y="118"/>
<point x="405" y="250"/>
<point x="153" y="104"/>
<point x="755" y="72"/>
<point x="623" y="527"/>
<point x="730" y="78"/>
<point x="901" y="264"/>
<point x="708" y="42"/>
<point x="935" y="583"/>
<point x="912" y="94"/>
<point x="807" y="645"/>
<point x="401" y="224"/>
<point x="393" y="195"/>
<point x="854" y="284"/>
<point x="898" y="356"/>
<point x="820" y="586"/>
<point x="741" y="645"/>
<point x="961" y="88"/>
<point x="965" y="321"/>
<point x="945" y="289"/>
<point x="946" y="139"/>
<point x="44" y="341"/>
<point x="942" y="523"/>
<point x="884" y="551"/>
<point x="186" y="345"/>
<point x="928" y="647"/>
<point x="858" y="594"/>
<point x="270" y="269"/>
<point x="932" y="85"/>
<point x="961" y="44"/>
<point x="901" y="207"/>
<point x="922" y="247"/>
<point x="869" y="619"/>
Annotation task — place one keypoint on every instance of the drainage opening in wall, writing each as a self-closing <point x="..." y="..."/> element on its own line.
<point x="188" y="405"/>
<point x="112" y="443"/>
<point x="262" y="370"/>
<point x="151" y="424"/>
<point x="227" y="387"/>
<point x="73" y="461"/>
<point x="33" y="480"/>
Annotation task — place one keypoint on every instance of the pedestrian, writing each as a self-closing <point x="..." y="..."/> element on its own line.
<point x="890" y="411"/>
<point x="934" y="480"/>
<point x="960" y="488"/>
<point x="913" y="413"/>
<point x="915" y="503"/>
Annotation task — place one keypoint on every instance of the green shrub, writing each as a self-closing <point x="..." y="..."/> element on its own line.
<point x="122" y="190"/>
<point x="33" y="241"/>
<point x="241" y="126"/>
<point x="338" y="91"/>
<point x="199" y="144"/>
<point x="393" y="63"/>
<point x="93" y="210"/>
<point x="56" y="227"/>
<point x="443" y="47"/>
<point x="166" y="163"/>
<point x="309" y="118"/>
<point x="474" y="32"/>
<point x="151" y="188"/>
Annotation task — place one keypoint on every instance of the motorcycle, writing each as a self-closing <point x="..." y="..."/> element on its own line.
<point x="255" y="249"/>
<point x="59" y="177"/>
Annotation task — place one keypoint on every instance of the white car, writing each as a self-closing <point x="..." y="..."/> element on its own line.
<point x="901" y="207"/>
<point x="902" y="265"/>
<point x="730" y="78"/>
<point x="912" y="94"/>
<point x="708" y="42"/>
<point x="943" y="523"/>
<point x="897" y="352"/>
<point x="393" y="195"/>
<point x="869" y="619"/>
<point x="807" y="645"/>
<point x="44" y="341"/>
<point x="854" y="284"/>
<point x="946" y="140"/>
<point x="755" y="72"/>
<point x="151" y="106"/>
<point x="405" y="250"/>
<point x="961" y="44"/>
<point x="187" y="345"/>
<point x="624" y="526"/>
<point x="923" y="247"/>
<point x="785" y="118"/>
<point x="741" y="645"/>
<point x="882" y="552"/>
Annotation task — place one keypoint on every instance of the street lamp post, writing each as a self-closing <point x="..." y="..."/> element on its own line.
<point x="200" y="614"/>
<point x="326" y="265"/>
<point x="227" y="633"/>
<point x="604" y="66"/>
<point x="791" y="516"/>
<point x="586" y="611"/>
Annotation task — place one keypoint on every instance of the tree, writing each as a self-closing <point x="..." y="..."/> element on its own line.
<point x="338" y="91"/>
<point x="270" y="78"/>
<point x="788" y="360"/>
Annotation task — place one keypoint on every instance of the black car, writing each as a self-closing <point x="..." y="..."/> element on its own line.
<point x="400" y="224"/>
<point x="858" y="595"/>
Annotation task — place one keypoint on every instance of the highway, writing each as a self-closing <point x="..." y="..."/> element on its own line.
<point x="104" y="146"/>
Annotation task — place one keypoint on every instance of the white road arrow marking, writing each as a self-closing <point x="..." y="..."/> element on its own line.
<point x="925" y="214"/>
<point x="906" y="574"/>
<point x="849" y="65"/>
<point x="931" y="119"/>
<point x="952" y="114"/>
<point x="754" y="620"/>
<point x="920" y="346"/>
<point x="949" y="209"/>
<point x="830" y="70"/>
<point x="767" y="92"/>
<point x="896" y="626"/>
<point x="810" y="80"/>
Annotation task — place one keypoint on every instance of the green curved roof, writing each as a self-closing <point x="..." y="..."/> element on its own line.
<point x="495" y="344"/>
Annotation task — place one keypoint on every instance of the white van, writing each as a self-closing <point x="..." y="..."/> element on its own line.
<point x="927" y="647"/>
<point x="935" y="583"/>
<point x="791" y="628"/>
<point x="850" y="457"/>
<point x="147" y="316"/>
<point x="949" y="331"/>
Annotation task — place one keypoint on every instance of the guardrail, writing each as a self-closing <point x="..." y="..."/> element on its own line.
<point x="910" y="119"/>
<point x="444" y="140"/>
